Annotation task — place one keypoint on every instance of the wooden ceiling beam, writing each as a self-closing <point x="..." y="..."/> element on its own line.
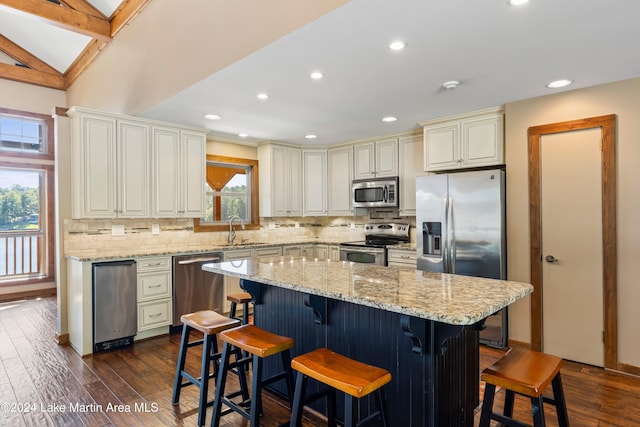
<point x="60" y="16"/>
<point x="128" y="10"/>
<point x="83" y="60"/>
<point x="24" y="57"/>
<point x="83" y="6"/>
<point x="34" y="77"/>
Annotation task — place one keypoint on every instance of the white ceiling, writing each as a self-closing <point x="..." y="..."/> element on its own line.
<point x="499" y="53"/>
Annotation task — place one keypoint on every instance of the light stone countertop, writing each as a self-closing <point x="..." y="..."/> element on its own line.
<point x="104" y="254"/>
<point x="447" y="298"/>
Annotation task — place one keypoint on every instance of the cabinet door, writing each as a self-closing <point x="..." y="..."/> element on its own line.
<point x="386" y="157"/>
<point x="133" y="169"/>
<point x="165" y="171"/>
<point x="192" y="176"/>
<point x="279" y="181"/>
<point x="339" y="177"/>
<point x="321" y="252"/>
<point x="94" y="165"/>
<point x="441" y="147"/>
<point x="482" y="141"/>
<point x="410" y="165"/>
<point x="293" y="250"/>
<point x="364" y="157"/>
<point x="334" y="253"/>
<point x="315" y="182"/>
<point x="295" y="182"/>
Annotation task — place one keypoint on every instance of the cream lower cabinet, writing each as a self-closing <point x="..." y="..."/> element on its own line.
<point x="464" y="141"/>
<point x="155" y="304"/>
<point x="232" y="284"/>
<point x="334" y="253"/>
<point x="402" y="258"/>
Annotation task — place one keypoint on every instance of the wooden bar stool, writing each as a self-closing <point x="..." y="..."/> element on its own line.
<point x="210" y="324"/>
<point x="338" y="372"/>
<point x="527" y="373"/>
<point x="243" y="298"/>
<point x="260" y="344"/>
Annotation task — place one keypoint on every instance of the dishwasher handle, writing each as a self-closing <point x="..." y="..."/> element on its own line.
<point x="199" y="260"/>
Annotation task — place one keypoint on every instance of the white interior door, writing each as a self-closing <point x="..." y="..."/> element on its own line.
<point x="572" y="281"/>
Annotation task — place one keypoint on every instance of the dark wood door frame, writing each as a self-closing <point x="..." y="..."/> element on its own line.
<point x="609" y="261"/>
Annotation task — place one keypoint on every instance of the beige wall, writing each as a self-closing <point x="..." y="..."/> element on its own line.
<point x="170" y="48"/>
<point x="620" y="98"/>
<point x="25" y="97"/>
<point x="222" y="148"/>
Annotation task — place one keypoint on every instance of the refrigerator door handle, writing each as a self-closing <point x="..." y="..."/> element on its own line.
<point x="451" y="241"/>
<point x="444" y="239"/>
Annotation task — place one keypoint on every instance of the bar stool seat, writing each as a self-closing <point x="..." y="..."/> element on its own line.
<point x="259" y="344"/>
<point x="528" y="373"/>
<point x="354" y="378"/>
<point x="243" y="298"/>
<point x="209" y="323"/>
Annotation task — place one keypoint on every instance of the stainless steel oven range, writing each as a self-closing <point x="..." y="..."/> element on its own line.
<point x="373" y="250"/>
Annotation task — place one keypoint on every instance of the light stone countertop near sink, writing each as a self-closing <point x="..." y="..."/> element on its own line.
<point x="447" y="298"/>
<point x="114" y="255"/>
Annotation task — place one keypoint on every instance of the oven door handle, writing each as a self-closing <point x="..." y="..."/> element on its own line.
<point x="362" y="250"/>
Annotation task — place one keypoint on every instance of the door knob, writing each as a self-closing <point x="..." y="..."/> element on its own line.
<point x="550" y="259"/>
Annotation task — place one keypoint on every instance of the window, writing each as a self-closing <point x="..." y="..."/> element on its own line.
<point x="26" y="198"/>
<point x="25" y="134"/>
<point x="232" y="190"/>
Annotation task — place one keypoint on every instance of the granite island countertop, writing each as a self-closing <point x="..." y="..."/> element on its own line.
<point x="447" y="298"/>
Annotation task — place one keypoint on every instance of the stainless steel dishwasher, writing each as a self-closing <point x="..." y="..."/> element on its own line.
<point x="115" y="318"/>
<point x="193" y="288"/>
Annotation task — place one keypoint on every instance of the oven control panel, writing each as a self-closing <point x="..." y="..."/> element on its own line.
<point x="388" y="230"/>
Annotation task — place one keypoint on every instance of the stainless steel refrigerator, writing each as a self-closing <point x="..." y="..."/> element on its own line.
<point x="460" y="220"/>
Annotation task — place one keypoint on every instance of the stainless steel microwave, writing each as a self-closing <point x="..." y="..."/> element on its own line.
<point x="375" y="193"/>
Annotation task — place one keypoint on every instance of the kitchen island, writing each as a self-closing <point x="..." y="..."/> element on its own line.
<point x="420" y="326"/>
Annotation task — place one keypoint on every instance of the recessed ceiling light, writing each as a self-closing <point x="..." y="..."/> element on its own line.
<point x="316" y="75"/>
<point x="397" y="45"/>
<point x="559" y="83"/>
<point x="243" y="135"/>
<point x="451" y="84"/>
<point x="517" y="2"/>
<point x="389" y="119"/>
<point x="262" y="95"/>
<point x="212" y="117"/>
<point x="311" y="136"/>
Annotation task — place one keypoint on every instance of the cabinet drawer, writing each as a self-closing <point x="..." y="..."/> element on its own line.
<point x="241" y="254"/>
<point x="268" y="252"/>
<point x="154" y="285"/>
<point x="154" y="263"/>
<point x="154" y="314"/>
<point x="401" y="257"/>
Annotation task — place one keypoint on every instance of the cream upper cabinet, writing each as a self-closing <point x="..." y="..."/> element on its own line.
<point x="280" y="180"/>
<point x="376" y="159"/>
<point x="179" y="162"/>
<point x="110" y="172"/>
<point x="314" y="170"/>
<point x="132" y="150"/>
<point x="339" y="177"/>
<point x="410" y="165"/>
<point x="464" y="141"/>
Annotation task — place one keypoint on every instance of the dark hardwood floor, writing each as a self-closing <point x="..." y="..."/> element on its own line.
<point x="132" y="387"/>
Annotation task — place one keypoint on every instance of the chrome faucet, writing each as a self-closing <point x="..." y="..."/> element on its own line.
<point x="232" y="233"/>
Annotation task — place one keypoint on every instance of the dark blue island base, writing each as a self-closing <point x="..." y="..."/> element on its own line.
<point x="434" y="365"/>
